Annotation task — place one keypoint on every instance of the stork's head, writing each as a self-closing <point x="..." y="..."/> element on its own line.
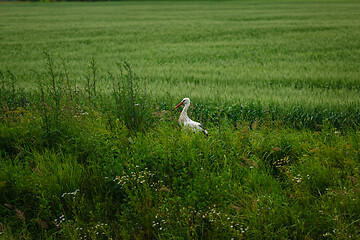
<point x="185" y="101"/>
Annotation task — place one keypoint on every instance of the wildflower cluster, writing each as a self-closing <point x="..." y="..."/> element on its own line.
<point x="81" y="114"/>
<point x="99" y="231"/>
<point x="160" y="222"/>
<point x="298" y="178"/>
<point x="334" y="232"/>
<point x="71" y="193"/>
<point x="60" y="220"/>
<point x="137" y="178"/>
<point x="282" y="162"/>
<point x="212" y="215"/>
<point x="190" y="217"/>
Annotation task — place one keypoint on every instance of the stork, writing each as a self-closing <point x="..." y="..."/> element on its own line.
<point x="185" y="121"/>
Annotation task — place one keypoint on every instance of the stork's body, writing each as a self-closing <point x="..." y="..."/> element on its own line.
<point x="186" y="122"/>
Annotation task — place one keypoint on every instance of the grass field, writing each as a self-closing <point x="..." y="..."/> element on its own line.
<point x="289" y="52"/>
<point x="90" y="150"/>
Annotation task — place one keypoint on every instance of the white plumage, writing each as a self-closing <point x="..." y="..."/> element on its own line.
<point x="185" y="121"/>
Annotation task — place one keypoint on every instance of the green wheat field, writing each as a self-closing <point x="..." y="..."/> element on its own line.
<point x="90" y="149"/>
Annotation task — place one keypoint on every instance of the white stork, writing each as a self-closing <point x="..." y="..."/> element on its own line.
<point x="185" y="121"/>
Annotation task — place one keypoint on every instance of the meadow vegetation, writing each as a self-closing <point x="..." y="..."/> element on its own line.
<point x="89" y="148"/>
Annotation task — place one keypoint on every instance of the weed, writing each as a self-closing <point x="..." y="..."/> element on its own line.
<point x="131" y="100"/>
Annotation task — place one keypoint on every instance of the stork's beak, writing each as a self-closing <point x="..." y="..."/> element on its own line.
<point x="181" y="103"/>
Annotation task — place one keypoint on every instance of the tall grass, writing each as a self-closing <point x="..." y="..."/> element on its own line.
<point x="60" y="96"/>
<point x="103" y="175"/>
<point x="131" y="99"/>
<point x="268" y="183"/>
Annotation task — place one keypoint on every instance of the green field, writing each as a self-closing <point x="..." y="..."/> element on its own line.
<point x="292" y="53"/>
<point x="90" y="150"/>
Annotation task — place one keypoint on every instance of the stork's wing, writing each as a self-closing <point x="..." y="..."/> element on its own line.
<point x="195" y="126"/>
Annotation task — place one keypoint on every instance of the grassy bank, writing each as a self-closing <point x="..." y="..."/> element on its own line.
<point x="97" y="180"/>
<point x="80" y="164"/>
<point x="94" y="179"/>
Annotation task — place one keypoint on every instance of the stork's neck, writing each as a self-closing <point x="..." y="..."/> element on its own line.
<point x="183" y="116"/>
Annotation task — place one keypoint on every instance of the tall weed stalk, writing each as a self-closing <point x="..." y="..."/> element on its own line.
<point x="131" y="99"/>
<point x="51" y="101"/>
<point x="91" y="81"/>
<point x="67" y="80"/>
